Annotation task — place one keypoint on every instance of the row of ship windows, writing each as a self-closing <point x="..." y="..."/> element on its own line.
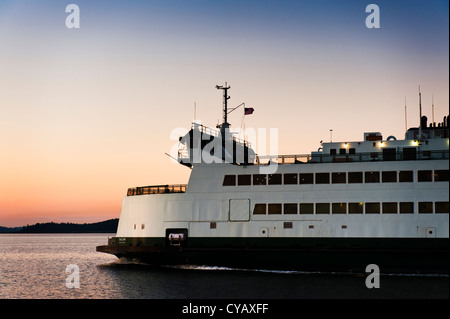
<point x="336" y="178"/>
<point x="351" y="208"/>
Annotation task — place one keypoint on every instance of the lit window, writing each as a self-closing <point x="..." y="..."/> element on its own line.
<point x="339" y="208"/>
<point x="355" y="208"/>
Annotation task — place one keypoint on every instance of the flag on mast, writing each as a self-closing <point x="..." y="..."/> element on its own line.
<point x="248" y="110"/>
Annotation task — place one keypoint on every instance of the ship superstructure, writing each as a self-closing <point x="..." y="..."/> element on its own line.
<point x="381" y="201"/>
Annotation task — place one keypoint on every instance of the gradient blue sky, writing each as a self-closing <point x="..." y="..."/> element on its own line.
<point x="86" y="113"/>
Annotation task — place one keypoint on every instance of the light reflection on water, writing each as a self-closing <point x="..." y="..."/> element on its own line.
<point x="33" y="266"/>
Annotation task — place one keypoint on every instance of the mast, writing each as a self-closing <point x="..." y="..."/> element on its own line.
<point x="225" y="123"/>
<point x="432" y="109"/>
<point x="406" y="119"/>
<point x="420" y="114"/>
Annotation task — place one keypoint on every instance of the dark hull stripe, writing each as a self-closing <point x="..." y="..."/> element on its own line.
<point x="430" y="255"/>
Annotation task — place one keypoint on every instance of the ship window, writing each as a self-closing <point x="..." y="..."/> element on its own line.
<point x="287" y="225"/>
<point x="290" y="209"/>
<point x="355" y="208"/>
<point x="322" y="208"/>
<point x="212" y="225"/>
<point x="306" y="208"/>
<point x="352" y="151"/>
<point x="372" y="208"/>
<point x="409" y="153"/>
<point x="406" y="208"/>
<point x="229" y="180"/>
<point x="425" y="208"/>
<point x="274" y="179"/>
<point x="260" y="209"/>
<point x="142" y="226"/>
<point x="244" y="179"/>
<point x="441" y="175"/>
<point x="389" y="177"/>
<point x="441" y="207"/>
<point x="259" y="179"/>
<point x="342" y="151"/>
<point x="332" y="151"/>
<point x="372" y="177"/>
<point x="274" y="209"/>
<point x="338" y="178"/>
<point x="134" y="226"/>
<point x="389" y="154"/>
<point x="355" y="177"/>
<point x="307" y="178"/>
<point x="389" y="208"/>
<point x="339" y="208"/>
<point x="424" y="176"/>
<point x="405" y="176"/>
<point x="322" y="178"/>
<point x="290" y="179"/>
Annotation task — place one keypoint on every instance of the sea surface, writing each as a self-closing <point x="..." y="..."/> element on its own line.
<point x="48" y="266"/>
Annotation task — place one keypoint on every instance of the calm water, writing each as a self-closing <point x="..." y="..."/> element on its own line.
<point x="34" y="266"/>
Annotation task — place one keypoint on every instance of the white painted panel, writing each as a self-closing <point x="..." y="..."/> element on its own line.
<point x="239" y="209"/>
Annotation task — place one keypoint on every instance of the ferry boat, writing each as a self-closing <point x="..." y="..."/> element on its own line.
<point x="382" y="201"/>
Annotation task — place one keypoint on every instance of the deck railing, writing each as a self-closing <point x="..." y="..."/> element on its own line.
<point x="358" y="157"/>
<point x="157" y="189"/>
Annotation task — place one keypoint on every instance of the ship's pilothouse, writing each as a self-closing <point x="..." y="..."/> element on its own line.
<point x="205" y="145"/>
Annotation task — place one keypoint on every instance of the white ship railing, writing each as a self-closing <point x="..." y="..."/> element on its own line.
<point x="157" y="189"/>
<point x="335" y="158"/>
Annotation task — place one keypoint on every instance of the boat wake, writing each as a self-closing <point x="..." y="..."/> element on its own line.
<point x="124" y="263"/>
<point x="297" y="272"/>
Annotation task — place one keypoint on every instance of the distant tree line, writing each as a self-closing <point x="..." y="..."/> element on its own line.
<point x="108" y="226"/>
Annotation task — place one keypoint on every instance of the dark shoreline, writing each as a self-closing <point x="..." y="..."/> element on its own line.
<point x="107" y="226"/>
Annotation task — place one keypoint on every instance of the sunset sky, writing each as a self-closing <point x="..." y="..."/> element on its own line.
<point x="86" y="113"/>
